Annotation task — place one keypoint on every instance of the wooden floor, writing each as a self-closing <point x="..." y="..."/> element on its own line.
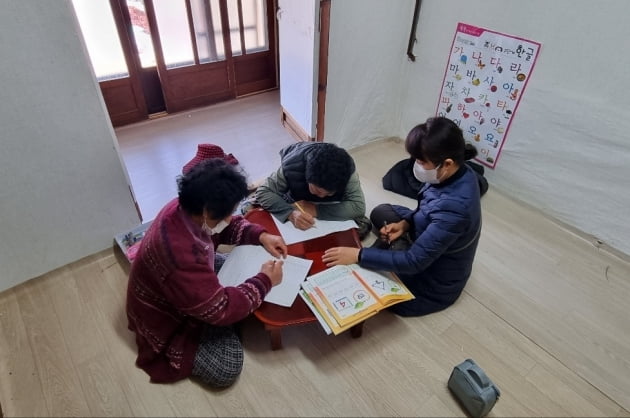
<point x="545" y="314"/>
<point x="154" y="152"/>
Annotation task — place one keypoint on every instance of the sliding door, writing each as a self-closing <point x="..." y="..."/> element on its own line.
<point x="172" y="55"/>
<point x="114" y="61"/>
<point x="212" y="50"/>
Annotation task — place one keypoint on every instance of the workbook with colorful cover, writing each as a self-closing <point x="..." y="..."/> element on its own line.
<point x="347" y="295"/>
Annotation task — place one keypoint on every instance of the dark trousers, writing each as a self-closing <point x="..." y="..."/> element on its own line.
<point x="382" y="215"/>
<point x="421" y="305"/>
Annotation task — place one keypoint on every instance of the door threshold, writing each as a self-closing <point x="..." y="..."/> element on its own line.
<point x="157" y="115"/>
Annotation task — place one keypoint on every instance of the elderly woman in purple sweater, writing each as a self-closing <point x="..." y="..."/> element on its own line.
<point x="181" y="315"/>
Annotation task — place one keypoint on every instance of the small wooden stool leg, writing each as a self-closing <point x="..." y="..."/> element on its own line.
<point x="357" y="330"/>
<point x="275" y="337"/>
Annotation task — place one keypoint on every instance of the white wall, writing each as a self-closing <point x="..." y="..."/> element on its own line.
<point x="368" y="44"/>
<point x="63" y="193"/>
<point x="297" y="37"/>
<point x="568" y="148"/>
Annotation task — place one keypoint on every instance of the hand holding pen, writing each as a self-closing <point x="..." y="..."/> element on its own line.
<point x="385" y="233"/>
<point x="301" y="219"/>
<point x="273" y="270"/>
<point x="393" y="231"/>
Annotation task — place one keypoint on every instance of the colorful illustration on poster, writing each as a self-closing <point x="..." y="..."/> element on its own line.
<point x="484" y="81"/>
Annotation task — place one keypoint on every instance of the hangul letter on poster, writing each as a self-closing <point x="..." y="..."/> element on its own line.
<point x="516" y="67"/>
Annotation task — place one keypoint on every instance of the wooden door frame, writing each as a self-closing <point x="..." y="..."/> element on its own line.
<point x="243" y="83"/>
<point x="286" y="120"/>
<point x="173" y="103"/>
<point x="130" y="86"/>
<point x="235" y="75"/>
<point x="322" y="78"/>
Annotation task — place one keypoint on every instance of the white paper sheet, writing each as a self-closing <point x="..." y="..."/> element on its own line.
<point x="293" y="235"/>
<point x="245" y="261"/>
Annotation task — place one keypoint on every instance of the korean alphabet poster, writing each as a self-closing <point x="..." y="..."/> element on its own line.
<point x="484" y="80"/>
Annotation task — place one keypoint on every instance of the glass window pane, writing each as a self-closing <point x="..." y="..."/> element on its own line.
<point x="235" y="34"/>
<point x="208" y="33"/>
<point x="101" y="39"/>
<point x="141" y="32"/>
<point x="174" y="32"/>
<point x="255" y="25"/>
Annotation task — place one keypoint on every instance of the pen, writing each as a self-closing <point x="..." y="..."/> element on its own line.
<point x="301" y="209"/>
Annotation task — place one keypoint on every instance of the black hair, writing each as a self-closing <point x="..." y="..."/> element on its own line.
<point x="436" y="140"/>
<point x="213" y="185"/>
<point x="329" y="167"/>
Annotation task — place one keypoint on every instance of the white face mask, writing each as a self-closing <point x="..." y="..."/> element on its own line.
<point x="425" y="176"/>
<point x="217" y="229"/>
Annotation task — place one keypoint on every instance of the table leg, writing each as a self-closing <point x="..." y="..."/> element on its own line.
<point x="357" y="330"/>
<point x="275" y="336"/>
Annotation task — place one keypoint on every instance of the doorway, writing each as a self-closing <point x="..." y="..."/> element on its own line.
<point x="162" y="56"/>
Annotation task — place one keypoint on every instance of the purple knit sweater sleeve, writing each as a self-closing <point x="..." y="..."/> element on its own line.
<point x="226" y="305"/>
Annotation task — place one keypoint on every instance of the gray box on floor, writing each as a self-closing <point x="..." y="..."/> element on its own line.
<point x="471" y="386"/>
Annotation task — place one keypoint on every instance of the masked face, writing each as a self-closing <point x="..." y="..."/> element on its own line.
<point x="218" y="228"/>
<point x="426" y="176"/>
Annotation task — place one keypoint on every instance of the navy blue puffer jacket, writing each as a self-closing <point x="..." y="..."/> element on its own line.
<point x="445" y="228"/>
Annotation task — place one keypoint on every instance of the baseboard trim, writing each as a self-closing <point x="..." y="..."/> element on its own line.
<point x="293" y="127"/>
<point x="595" y="241"/>
<point x="393" y="139"/>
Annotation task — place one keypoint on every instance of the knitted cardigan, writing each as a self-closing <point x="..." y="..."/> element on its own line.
<point x="173" y="290"/>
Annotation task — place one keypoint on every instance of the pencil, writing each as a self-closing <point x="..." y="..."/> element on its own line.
<point x="297" y="205"/>
<point x="301" y="209"/>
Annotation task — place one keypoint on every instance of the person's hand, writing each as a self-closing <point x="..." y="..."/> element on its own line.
<point x="273" y="270"/>
<point x="308" y="207"/>
<point x="301" y="220"/>
<point x="340" y="255"/>
<point x="274" y="244"/>
<point x="393" y="231"/>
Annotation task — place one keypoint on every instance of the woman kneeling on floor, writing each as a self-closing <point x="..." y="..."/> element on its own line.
<point x="181" y="315"/>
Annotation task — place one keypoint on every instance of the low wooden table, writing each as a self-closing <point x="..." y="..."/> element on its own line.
<point x="275" y="317"/>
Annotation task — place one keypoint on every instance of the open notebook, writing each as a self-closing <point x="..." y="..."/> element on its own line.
<point x="343" y="296"/>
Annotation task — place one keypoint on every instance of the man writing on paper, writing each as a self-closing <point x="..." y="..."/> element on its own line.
<point x="316" y="180"/>
<point x="181" y="315"/>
